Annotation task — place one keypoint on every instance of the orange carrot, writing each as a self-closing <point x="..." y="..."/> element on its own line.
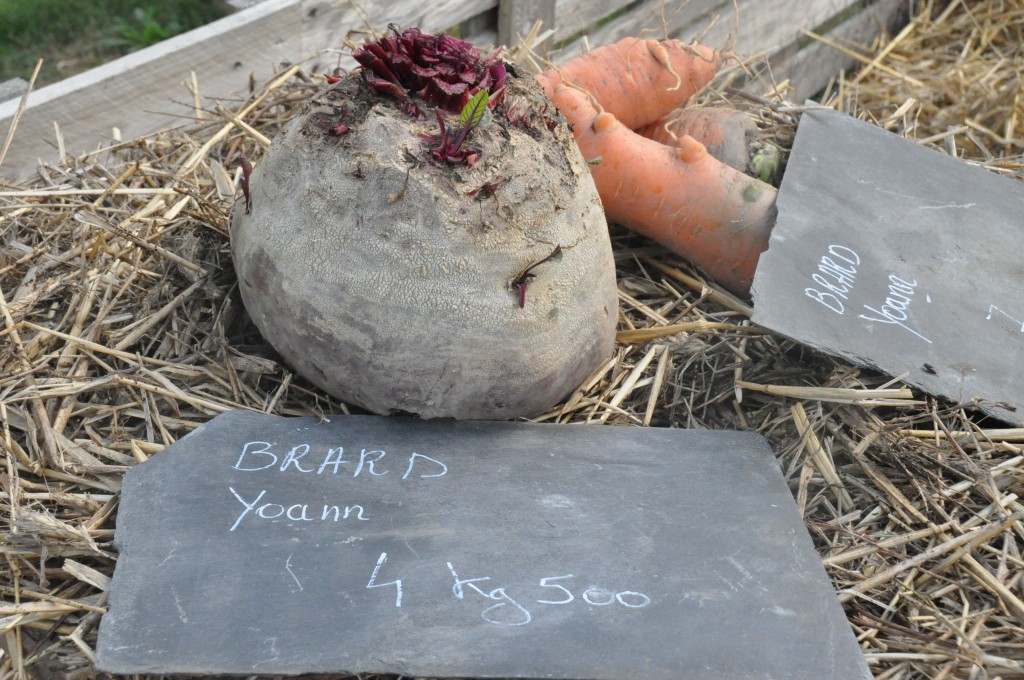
<point x="681" y="196"/>
<point x="638" y="81"/>
<point x="727" y="133"/>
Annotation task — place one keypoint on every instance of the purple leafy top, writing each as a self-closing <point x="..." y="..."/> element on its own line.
<point x="441" y="70"/>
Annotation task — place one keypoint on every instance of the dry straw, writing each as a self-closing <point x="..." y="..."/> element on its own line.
<point x="121" y="331"/>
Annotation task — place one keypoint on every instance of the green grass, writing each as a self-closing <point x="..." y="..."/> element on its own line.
<point x="75" y="35"/>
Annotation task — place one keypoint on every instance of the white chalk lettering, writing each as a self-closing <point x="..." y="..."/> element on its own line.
<point x="257" y="456"/>
<point x="264" y="509"/>
<point x="296" y="512"/>
<point x="604" y="596"/>
<point x="265" y="451"/>
<point x="832" y="302"/>
<point x="248" y="506"/>
<point x="894" y="310"/>
<point x="993" y="308"/>
<point x="839" y="289"/>
<point x="397" y="583"/>
<point x="834" y="281"/>
<point x="517" y="616"/>
<point x="639" y="599"/>
<point x="365" y="459"/>
<point x="412" y="461"/>
<point x="504" y="601"/>
<point x="844" y="275"/>
<point x="457" y="587"/>
<point x="342" y="514"/>
<point x="568" y="593"/>
<point x="331" y="460"/>
<point x="303" y="512"/>
<point x="509" y="612"/>
<point x="294" y="456"/>
<point x="845" y="254"/>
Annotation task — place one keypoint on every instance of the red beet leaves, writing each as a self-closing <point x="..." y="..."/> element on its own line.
<point x="443" y="71"/>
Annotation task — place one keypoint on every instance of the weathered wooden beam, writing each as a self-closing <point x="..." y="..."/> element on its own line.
<point x="515" y="17"/>
<point x="751" y="27"/>
<point x="772" y="31"/>
<point x="810" y="65"/>
<point x="128" y="92"/>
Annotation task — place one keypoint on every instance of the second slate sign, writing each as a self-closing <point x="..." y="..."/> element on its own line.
<point x="260" y="545"/>
<point x="898" y="257"/>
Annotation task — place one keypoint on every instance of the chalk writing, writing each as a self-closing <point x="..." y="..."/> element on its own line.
<point x="504" y="609"/>
<point x="895" y="308"/>
<point x="544" y="583"/>
<point x="834" y="281"/>
<point x="397" y="583"/>
<point x="993" y="308"/>
<point x="296" y="512"/>
<point x="835" y="278"/>
<point x="595" y="595"/>
<point x="515" y="615"/>
<point x="288" y="568"/>
<point x="257" y="456"/>
<point x="519" y="615"/>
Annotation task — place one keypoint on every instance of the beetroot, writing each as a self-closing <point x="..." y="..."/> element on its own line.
<point x="425" y="237"/>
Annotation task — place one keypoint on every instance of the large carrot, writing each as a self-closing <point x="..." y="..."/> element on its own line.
<point x="681" y="196"/>
<point x="727" y="133"/>
<point x="638" y="81"/>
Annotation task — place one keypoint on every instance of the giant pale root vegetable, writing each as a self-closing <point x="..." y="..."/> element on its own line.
<point x="679" y="195"/>
<point x="425" y="237"/>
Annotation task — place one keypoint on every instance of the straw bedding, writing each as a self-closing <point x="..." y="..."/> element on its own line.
<point x="122" y="331"/>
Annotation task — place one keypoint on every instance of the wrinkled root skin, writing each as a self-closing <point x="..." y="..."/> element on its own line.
<point x="384" y="277"/>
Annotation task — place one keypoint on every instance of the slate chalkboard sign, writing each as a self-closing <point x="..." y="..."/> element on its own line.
<point x="267" y="545"/>
<point x="901" y="258"/>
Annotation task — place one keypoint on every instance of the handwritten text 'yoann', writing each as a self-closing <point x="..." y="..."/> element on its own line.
<point x="834" y="282"/>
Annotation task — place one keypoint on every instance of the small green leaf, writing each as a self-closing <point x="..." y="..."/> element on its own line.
<point x="474" y="109"/>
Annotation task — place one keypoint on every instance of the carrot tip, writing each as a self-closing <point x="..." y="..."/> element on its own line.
<point x="691" y="150"/>
<point x="605" y="122"/>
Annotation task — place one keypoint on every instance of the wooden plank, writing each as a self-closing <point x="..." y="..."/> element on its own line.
<point x="774" y="30"/>
<point x="643" y="19"/>
<point x="574" y="17"/>
<point x="763" y="26"/>
<point x="515" y="17"/>
<point x="126" y="93"/>
<point x="811" y="69"/>
<point x="256" y="41"/>
<point x="116" y="94"/>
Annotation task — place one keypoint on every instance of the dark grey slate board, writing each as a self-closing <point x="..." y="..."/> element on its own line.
<point x="898" y="257"/>
<point x="523" y="551"/>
